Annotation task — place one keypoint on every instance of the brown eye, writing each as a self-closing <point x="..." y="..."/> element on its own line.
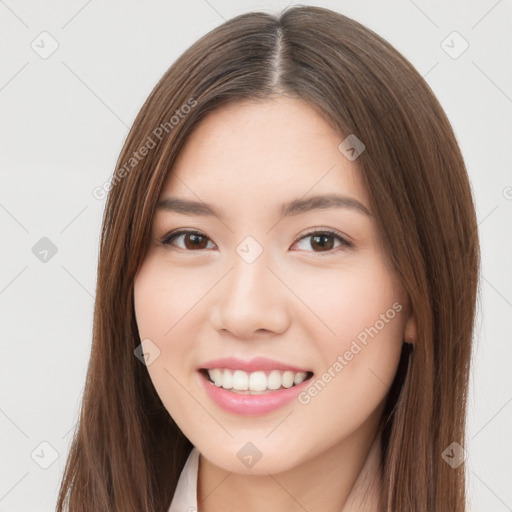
<point x="193" y="240"/>
<point x="324" y="241"/>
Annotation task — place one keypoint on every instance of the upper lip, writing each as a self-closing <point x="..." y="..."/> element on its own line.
<point x="252" y="365"/>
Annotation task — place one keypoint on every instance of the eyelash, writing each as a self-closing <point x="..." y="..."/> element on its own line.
<point x="170" y="237"/>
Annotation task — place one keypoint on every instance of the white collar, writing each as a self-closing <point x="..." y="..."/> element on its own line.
<point x="185" y="496"/>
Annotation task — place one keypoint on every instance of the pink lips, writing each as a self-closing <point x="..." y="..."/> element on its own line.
<point x="246" y="404"/>
<point x="258" y="363"/>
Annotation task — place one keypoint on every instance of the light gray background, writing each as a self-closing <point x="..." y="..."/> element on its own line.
<point x="64" y="119"/>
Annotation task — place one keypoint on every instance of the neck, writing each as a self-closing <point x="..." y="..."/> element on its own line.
<point x="343" y="478"/>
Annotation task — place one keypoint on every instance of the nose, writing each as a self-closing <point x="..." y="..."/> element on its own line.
<point x="251" y="301"/>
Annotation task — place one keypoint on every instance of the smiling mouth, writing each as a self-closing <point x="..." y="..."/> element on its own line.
<point x="254" y="383"/>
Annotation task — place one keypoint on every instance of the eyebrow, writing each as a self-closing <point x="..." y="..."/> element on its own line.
<point x="295" y="207"/>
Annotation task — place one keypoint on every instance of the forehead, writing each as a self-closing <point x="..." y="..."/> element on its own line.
<point x="268" y="151"/>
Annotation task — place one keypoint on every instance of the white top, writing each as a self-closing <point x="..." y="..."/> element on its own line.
<point x="185" y="497"/>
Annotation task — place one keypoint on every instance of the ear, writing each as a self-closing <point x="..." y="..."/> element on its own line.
<point x="410" y="331"/>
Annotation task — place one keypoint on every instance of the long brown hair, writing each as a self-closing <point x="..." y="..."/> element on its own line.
<point x="127" y="453"/>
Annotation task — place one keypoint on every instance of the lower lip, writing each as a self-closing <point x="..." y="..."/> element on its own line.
<point x="251" y="405"/>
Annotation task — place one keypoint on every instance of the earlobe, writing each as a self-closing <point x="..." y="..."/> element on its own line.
<point x="410" y="331"/>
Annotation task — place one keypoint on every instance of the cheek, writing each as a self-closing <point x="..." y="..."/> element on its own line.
<point x="360" y="334"/>
<point x="165" y="297"/>
<point x="159" y="306"/>
<point x="160" y="311"/>
<point x="349" y="302"/>
<point x="168" y="310"/>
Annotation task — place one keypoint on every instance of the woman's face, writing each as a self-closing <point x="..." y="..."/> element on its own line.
<point x="308" y="290"/>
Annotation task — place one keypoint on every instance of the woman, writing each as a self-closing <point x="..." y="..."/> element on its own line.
<point x="286" y="285"/>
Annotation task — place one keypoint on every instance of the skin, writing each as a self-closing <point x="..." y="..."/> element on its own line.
<point x="297" y="303"/>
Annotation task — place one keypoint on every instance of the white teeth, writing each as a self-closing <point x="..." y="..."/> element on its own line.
<point x="287" y="379"/>
<point x="299" y="377"/>
<point x="216" y="376"/>
<point x="239" y="380"/>
<point x="257" y="381"/>
<point x="227" y="380"/>
<point x="274" y="379"/>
